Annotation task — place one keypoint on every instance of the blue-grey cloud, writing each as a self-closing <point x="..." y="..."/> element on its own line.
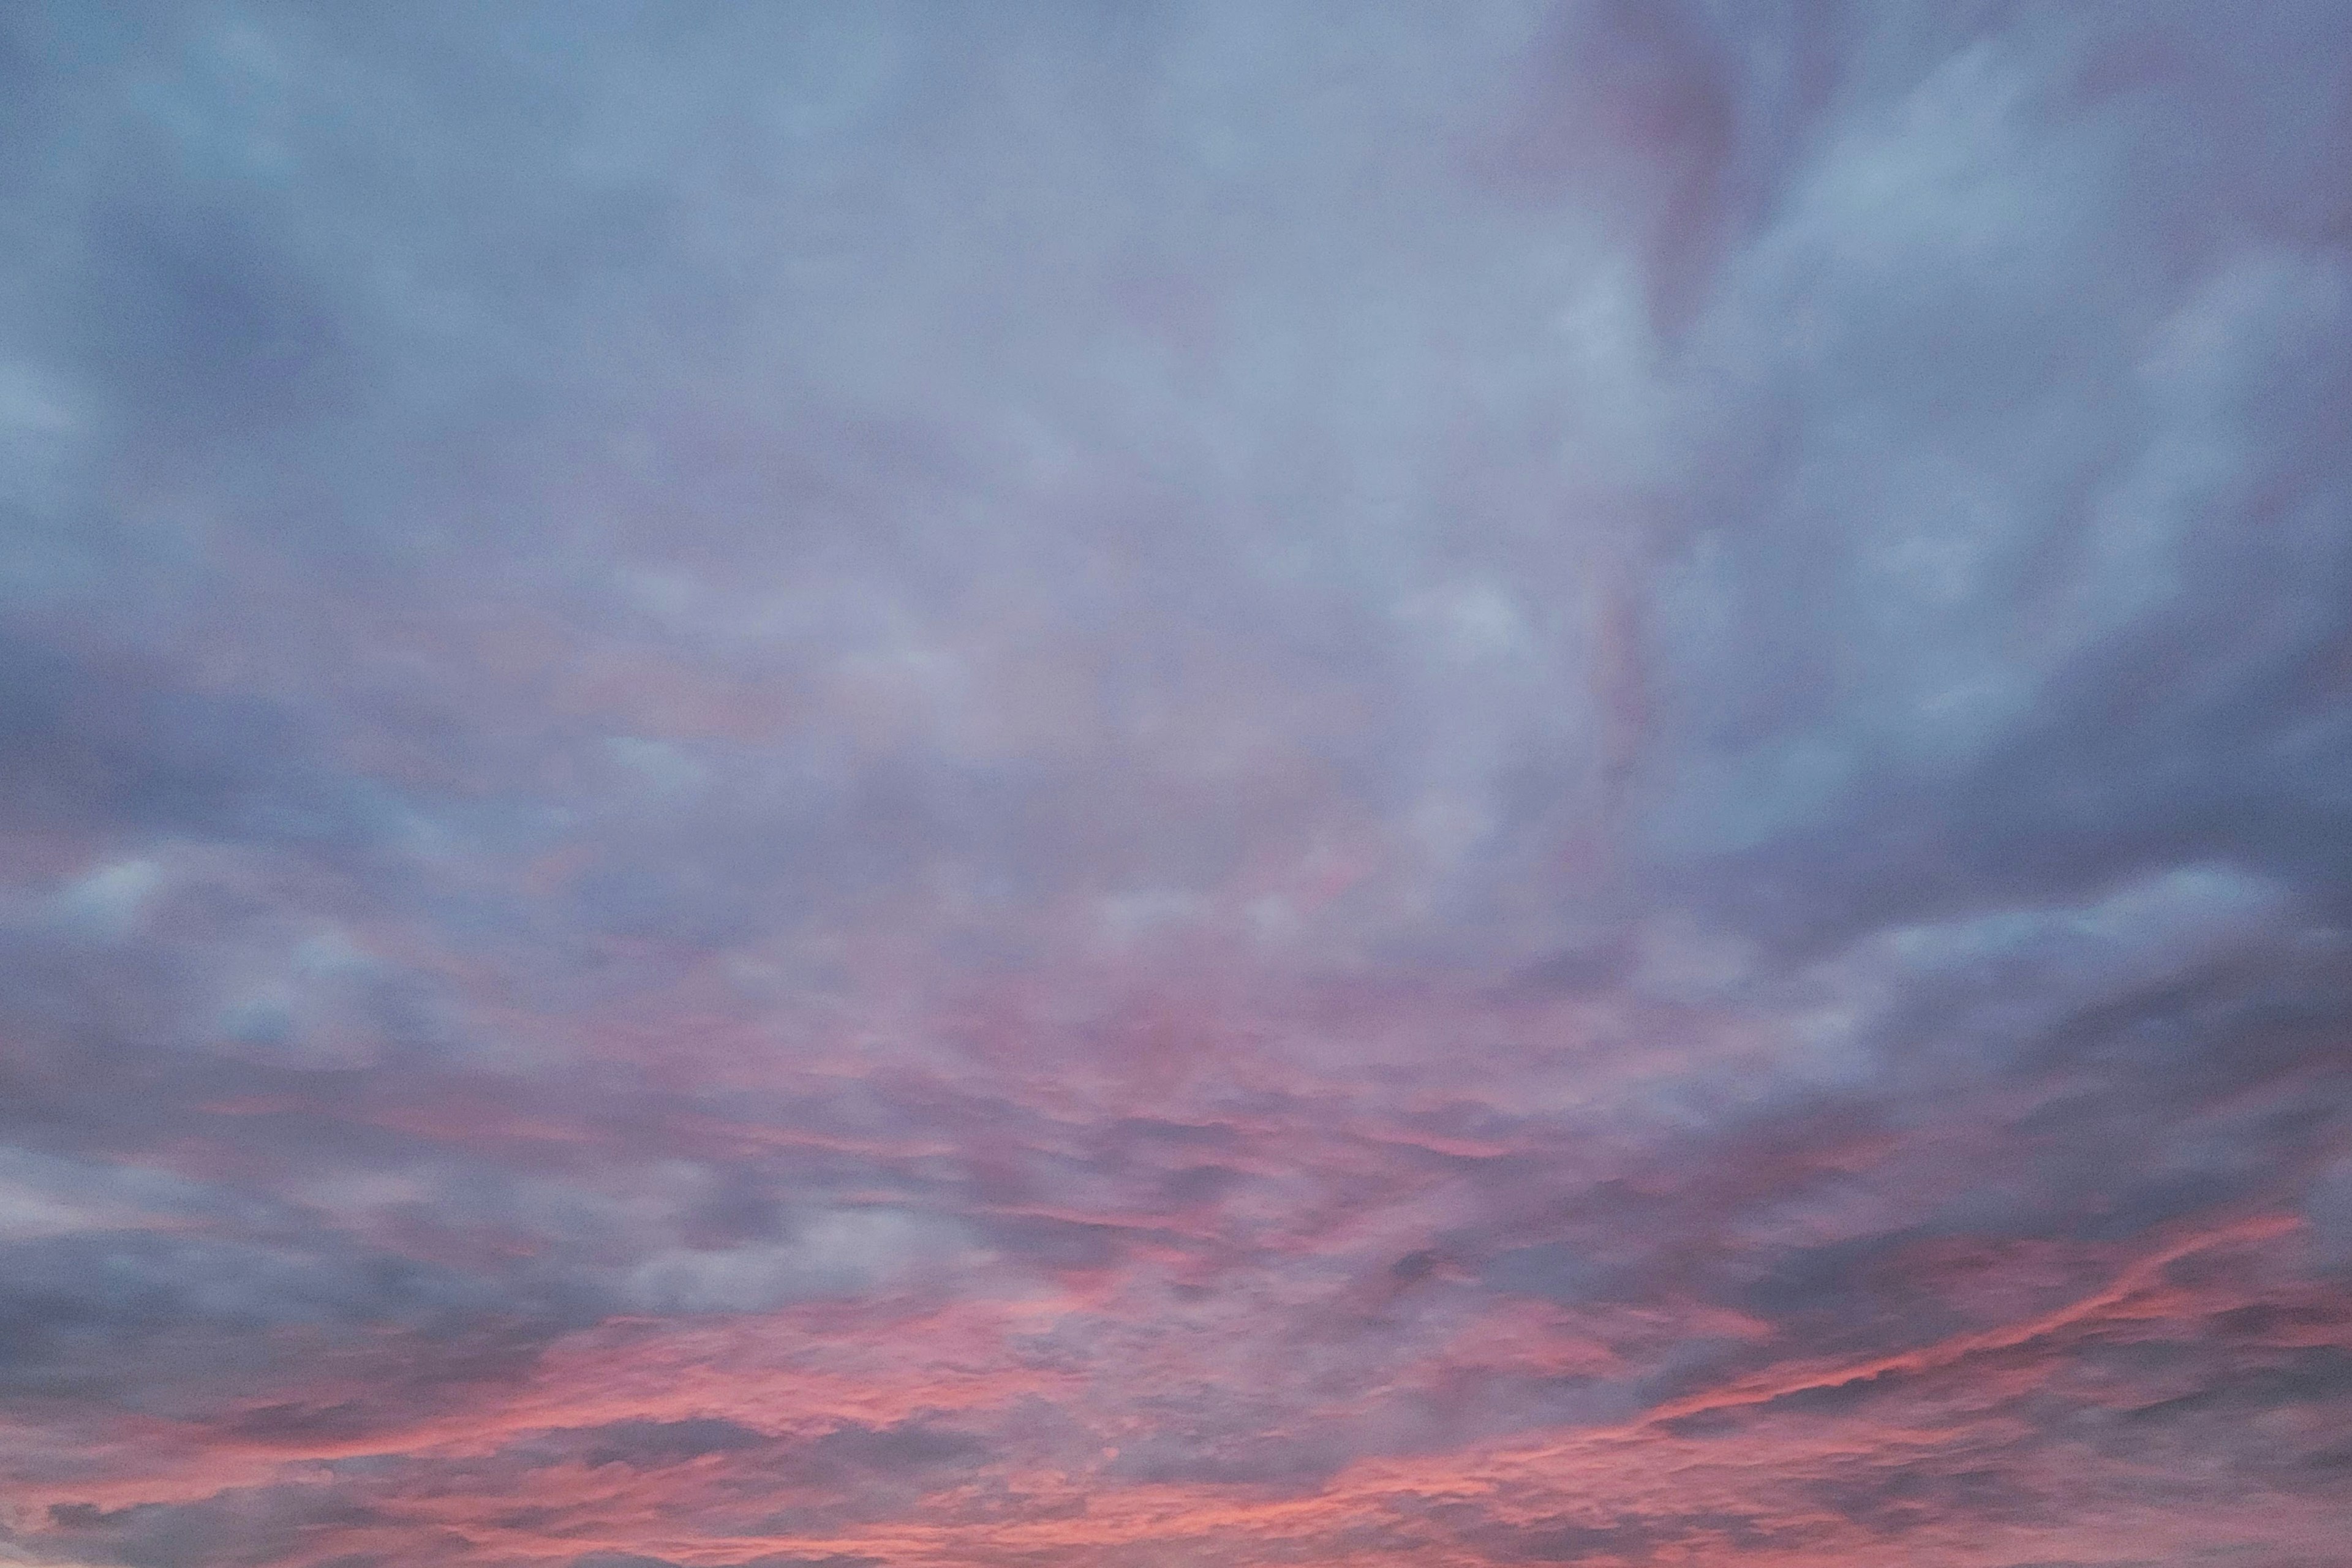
<point x="868" y="785"/>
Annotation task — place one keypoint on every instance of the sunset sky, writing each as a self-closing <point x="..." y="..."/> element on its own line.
<point x="1102" y="784"/>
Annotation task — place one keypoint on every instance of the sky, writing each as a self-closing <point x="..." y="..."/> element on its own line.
<point x="1077" y="785"/>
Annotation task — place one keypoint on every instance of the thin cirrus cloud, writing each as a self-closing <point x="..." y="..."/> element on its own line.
<point x="880" y="786"/>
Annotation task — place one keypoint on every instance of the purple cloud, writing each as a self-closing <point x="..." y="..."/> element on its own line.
<point x="1062" y="785"/>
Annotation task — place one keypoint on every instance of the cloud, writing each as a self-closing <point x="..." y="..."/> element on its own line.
<point x="856" y="786"/>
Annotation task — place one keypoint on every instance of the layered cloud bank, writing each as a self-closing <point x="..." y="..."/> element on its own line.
<point x="873" y="786"/>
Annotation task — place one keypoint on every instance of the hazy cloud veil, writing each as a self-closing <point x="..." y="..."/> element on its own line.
<point x="1056" y="784"/>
